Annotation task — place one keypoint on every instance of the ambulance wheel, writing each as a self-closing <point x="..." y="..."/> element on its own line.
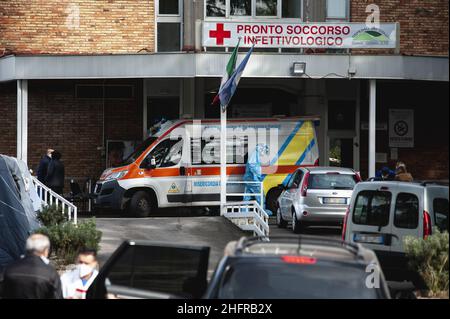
<point x="140" y="204"/>
<point x="272" y="199"/>
<point x="281" y="223"/>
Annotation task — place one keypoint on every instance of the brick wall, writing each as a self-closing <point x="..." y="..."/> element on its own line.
<point x="52" y="27"/>
<point x="423" y="24"/>
<point x="59" y="120"/>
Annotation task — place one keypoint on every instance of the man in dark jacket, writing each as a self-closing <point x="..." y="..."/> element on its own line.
<point x="43" y="166"/>
<point x="32" y="277"/>
<point x="55" y="173"/>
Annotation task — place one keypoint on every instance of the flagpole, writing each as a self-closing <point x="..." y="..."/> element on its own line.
<point x="223" y="160"/>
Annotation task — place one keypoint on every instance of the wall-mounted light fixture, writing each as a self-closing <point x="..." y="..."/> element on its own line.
<point x="299" y="68"/>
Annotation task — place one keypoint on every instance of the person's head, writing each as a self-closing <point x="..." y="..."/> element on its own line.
<point x="56" y="155"/>
<point x="400" y="167"/>
<point x="39" y="245"/>
<point x="87" y="262"/>
<point x="49" y="152"/>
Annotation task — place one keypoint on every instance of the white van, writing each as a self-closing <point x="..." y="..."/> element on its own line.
<point x="381" y="214"/>
<point x="179" y="166"/>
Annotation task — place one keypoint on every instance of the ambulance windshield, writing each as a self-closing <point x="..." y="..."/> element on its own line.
<point x="139" y="150"/>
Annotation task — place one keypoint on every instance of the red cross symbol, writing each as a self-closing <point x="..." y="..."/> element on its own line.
<point x="219" y="34"/>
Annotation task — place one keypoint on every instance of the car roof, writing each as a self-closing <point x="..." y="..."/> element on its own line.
<point x="326" y="169"/>
<point x="305" y="246"/>
<point x="414" y="184"/>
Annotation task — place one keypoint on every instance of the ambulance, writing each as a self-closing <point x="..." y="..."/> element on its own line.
<point x="179" y="164"/>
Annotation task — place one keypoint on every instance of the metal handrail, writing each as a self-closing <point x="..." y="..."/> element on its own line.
<point x="50" y="197"/>
<point x="250" y="212"/>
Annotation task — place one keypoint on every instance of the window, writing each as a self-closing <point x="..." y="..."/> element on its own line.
<point x="266" y="8"/>
<point x="293" y="179"/>
<point x="241" y="7"/>
<point x="372" y="208"/>
<point x="169" y="7"/>
<point x="237" y="151"/>
<point x="169" y="37"/>
<point x="332" y="181"/>
<point x="406" y="211"/>
<point x="440" y="209"/>
<point x="254" y="8"/>
<point x="291" y="9"/>
<point x="337" y="9"/>
<point x="216" y="8"/>
<point x="169" y="23"/>
<point x="167" y="153"/>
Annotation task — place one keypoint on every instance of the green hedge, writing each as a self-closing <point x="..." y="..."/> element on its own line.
<point x="65" y="237"/>
<point x="429" y="258"/>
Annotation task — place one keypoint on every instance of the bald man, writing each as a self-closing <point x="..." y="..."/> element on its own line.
<point x="32" y="277"/>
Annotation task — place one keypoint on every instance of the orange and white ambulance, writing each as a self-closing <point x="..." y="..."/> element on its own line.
<point x="179" y="165"/>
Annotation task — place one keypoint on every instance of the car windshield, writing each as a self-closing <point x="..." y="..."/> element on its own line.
<point x="332" y="181"/>
<point x="280" y="280"/>
<point x="139" y="150"/>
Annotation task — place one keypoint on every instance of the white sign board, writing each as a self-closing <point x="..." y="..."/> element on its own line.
<point x="401" y="128"/>
<point x="344" y="35"/>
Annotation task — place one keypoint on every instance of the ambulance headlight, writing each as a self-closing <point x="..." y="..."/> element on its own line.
<point x="116" y="175"/>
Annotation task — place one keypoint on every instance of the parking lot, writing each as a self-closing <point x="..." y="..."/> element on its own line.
<point x="212" y="231"/>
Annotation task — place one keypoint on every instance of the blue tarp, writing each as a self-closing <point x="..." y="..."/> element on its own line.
<point x="17" y="216"/>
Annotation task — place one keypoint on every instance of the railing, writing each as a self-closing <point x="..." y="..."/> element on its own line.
<point x="248" y="215"/>
<point x="49" y="197"/>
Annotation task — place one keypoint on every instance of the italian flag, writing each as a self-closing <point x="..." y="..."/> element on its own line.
<point x="231" y="66"/>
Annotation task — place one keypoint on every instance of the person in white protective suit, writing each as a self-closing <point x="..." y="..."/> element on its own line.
<point x="75" y="283"/>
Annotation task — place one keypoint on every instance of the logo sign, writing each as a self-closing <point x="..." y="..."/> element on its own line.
<point x="302" y="35"/>
<point x="173" y="188"/>
<point x="401" y="128"/>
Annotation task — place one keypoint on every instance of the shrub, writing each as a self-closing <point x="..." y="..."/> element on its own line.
<point x="429" y="258"/>
<point x="67" y="239"/>
<point x="51" y="215"/>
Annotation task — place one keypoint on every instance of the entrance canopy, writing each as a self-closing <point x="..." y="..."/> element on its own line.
<point x="188" y="65"/>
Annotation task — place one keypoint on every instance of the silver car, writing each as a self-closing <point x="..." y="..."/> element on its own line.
<point x="316" y="195"/>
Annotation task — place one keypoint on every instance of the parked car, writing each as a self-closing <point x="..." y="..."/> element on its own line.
<point x="381" y="214"/>
<point x="316" y="195"/>
<point x="303" y="267"/>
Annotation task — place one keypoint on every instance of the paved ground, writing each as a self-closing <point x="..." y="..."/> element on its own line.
<point x="214" y="232"/>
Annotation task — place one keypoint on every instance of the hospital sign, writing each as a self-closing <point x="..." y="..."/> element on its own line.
<point x="301" y="35"/>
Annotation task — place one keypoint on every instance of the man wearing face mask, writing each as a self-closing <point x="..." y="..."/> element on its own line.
<point x="75" y="283"/>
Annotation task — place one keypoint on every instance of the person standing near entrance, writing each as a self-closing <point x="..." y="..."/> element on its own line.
<point x="55" y="174"/>
<point x="32" y="277"/>
<point x="43" y="166"/>
<point x="402" y="174"/>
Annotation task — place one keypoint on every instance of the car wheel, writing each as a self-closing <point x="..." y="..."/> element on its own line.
<point x="140" y="204"/>
<point x="281" y="223"/>
<point x="296" y="225"/>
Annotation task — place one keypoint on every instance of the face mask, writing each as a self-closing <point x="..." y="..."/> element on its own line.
<point x="85" y="270"/>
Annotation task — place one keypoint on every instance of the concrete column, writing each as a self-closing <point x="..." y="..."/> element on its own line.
<point x="372" y="127"/>
<point x="22" y="120"/>
<point x="315" y="103"/>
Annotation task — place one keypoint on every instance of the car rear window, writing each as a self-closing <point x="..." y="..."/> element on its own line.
<point x="331" y="181"/>
<point x="372" y="208"/>
<point x="440" y="209"/>
<point x="279" y="280"/>
<point x="406" y="211"/>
